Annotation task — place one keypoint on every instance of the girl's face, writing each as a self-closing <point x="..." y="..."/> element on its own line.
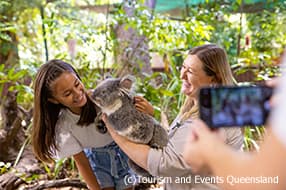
<point x="193" y="76"/>
<point x="68" y="90"/>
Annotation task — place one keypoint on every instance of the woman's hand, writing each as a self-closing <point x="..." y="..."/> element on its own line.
<point x="142" y="105"/>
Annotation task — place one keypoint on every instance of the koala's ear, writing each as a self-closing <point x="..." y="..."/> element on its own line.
<point x="127" y="81"/>
<point x="107" y="75"/>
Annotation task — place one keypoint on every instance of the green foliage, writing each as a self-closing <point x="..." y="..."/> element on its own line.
<point x="17" y="78"/>
<point x="253" y="136"/>
<point x="5" y="27"/>
<point x="164" y="90"/>
<point x="267" y="31"/>
<point x="164" y="35"/>
<point x="164" y="96"/>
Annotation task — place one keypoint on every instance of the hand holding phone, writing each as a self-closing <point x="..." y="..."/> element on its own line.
<point x="235" y="105"/>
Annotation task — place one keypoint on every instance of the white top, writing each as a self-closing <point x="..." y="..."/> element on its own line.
<point x="278" y="116"/>
<point x="72" y="138"/>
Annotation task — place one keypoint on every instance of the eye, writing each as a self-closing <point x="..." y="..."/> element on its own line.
<point x="187" y="69"/>
<point x="77" y="83"/>
<point x="103" y="92"/>
<point x="67" y="94"/>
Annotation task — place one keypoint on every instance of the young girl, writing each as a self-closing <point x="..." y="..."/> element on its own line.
<point x="63" y="126"/>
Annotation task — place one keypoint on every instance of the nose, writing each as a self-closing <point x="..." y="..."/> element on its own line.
<point x="77" y="92"/>
<point x="183" y="73"/>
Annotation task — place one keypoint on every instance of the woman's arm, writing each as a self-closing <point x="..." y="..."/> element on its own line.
<point x="86" y="171"/>
<point x="136" y="152"/>
<point x="226" y="162"/>
<point x="160" y="162"/>
<point x="267" y="163"/>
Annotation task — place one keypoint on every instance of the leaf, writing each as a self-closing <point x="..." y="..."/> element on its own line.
<point x="5" y="37"/>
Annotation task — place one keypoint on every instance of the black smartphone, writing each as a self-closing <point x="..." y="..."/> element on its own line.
<point x="235" y="105"/>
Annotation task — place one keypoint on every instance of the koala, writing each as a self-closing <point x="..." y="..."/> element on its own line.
<point x="115" y="98"/>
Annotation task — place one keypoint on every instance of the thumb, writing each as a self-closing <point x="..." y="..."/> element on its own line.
<point x="104" y="117"/>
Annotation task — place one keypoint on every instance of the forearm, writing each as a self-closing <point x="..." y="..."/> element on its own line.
<point x="138" y="153"/>
<point x="86" y="171"/>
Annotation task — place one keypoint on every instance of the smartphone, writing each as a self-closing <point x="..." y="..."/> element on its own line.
<point x="235" y="105"/>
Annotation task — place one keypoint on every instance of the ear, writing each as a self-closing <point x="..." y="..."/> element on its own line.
<point x="107" y="75"/>
<point x="127" y="81"/>
<point x="52" y="100"/>
<point x="215" y="80"/>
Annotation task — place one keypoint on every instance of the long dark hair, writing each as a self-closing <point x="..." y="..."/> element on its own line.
<point x="46" y="113"/>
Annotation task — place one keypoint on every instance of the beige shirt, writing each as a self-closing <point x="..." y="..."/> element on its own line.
<point x="168" y="163"/>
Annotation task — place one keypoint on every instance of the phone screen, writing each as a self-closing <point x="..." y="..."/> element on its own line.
<point x="235" y="106"/>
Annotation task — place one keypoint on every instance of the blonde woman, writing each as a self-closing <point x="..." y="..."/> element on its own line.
<point x="204" y="66"/>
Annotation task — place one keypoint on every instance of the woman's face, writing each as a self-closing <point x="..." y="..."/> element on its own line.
<point x="193" y="76"/>
<point x="68" y="90"/>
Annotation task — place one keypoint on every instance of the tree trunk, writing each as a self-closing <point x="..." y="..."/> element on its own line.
<point x="132" y="51"/>
<point x="11" y="131"/>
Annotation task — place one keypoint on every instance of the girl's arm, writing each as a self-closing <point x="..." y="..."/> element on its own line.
<point x="86" y="171"/>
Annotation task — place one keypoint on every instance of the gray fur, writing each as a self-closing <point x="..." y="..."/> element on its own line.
<point x="114" y="97"/>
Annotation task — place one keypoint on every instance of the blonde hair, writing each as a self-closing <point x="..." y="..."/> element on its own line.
<point x="215" y="64"/>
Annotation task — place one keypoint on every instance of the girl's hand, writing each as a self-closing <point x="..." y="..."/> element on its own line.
<point x="142" y="105"/>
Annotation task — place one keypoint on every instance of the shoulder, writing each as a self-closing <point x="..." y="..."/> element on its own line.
<point x="66" y="118"/>
<point x="179" y="130"/>
<point x="67" y="123"/>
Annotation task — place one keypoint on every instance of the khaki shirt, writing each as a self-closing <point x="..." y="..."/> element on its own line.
<point x="168" y="163"/>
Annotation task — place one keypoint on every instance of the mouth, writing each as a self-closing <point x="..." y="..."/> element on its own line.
<point x="186" y="84"/>
<point x="79" y="99"/>
<point x="187" y="88"/>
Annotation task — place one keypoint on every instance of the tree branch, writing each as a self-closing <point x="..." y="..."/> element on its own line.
<point x="59" y="183"/>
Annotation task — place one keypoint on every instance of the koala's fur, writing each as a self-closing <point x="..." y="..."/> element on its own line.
<point x="113" y="96"/>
